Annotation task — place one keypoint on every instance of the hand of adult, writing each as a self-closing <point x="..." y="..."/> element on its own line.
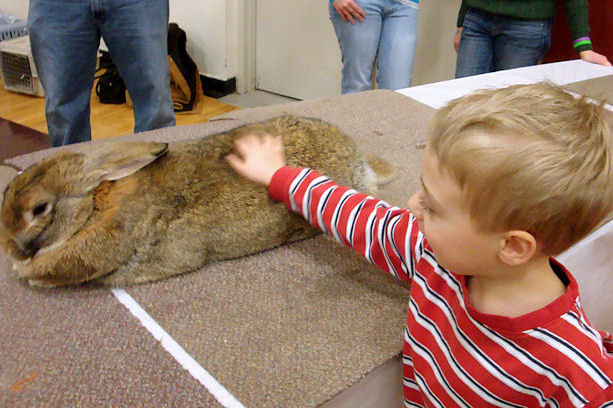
<point x="456" y="38"/>
<point x="348" y="10"/>
<point x="594" y="57"/>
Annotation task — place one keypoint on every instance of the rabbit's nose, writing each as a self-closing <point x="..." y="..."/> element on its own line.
<point x="27" y="246"/>
<point x="19" y="244"/>
<point x="31" y="247"/>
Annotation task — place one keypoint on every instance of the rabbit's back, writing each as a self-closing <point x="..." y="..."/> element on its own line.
<point x="195" y="173"/>
<point x="307" y="142"/>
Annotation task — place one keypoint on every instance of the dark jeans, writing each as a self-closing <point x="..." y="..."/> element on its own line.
<point x="492" y="42"/>
<point x="65" y="35"/>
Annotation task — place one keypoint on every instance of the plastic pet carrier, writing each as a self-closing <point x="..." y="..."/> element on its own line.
<point x="17" y="69"/>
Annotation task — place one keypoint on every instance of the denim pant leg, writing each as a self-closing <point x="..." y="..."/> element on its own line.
<point x="358" y="43"/>
<point x="64" y="40"/>
<point x="476" y="48"/>
<point x="521" y="43"/>
<point x="397" y="46"/>
<point x="136" y="33"/>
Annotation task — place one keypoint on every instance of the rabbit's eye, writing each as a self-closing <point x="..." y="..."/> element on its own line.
<point x="40" y="209"/>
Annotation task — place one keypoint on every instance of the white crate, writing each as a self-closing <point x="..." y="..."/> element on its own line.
<point x="17" y="69"/>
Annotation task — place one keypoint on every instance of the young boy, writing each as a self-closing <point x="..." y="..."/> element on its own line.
<point x="510" y="178"/>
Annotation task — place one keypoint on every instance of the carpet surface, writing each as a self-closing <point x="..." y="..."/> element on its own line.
<point x="293" y="326"/>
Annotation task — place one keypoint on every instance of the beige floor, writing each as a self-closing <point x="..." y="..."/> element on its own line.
<point x="107" y="120"/>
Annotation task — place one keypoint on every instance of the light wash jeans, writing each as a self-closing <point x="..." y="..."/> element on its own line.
<point x="388" y="35"/>
<point x="65" y="35"/>
<point x="492" y="42"/>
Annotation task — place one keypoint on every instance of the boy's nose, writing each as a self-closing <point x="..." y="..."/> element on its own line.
<point x="415" y="208"/>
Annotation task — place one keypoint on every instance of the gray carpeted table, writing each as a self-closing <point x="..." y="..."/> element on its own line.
<point x="297" y="326"/>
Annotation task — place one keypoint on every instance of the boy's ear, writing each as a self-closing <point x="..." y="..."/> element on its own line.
<point x="517" y="247"/>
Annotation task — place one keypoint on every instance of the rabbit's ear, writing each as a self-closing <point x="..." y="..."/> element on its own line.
<point x="116" y="160"/>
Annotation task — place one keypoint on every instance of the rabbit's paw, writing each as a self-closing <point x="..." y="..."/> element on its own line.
<point x="41" y="283"/>
<point x="23" y="267"/>
<point x="25" y="270"/>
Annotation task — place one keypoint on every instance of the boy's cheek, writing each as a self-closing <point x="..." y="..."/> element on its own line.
<point x="433" y="235"/>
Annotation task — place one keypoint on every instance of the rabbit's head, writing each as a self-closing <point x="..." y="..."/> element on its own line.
<point x="50" y="201"/>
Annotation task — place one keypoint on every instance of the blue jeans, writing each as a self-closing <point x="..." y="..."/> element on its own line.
<point x="388" y="35"/>
<point x="65" y="35"/>
<point x="493" y="42"/>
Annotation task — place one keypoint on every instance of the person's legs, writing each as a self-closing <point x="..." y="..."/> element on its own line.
<point x="521" y="43"/>
<point x="136" y="33"/>
<point x="397" y="45"/>
<point x="358" y="43"/>
<point x="64" y="40"/>
<point x="476" y="48"/>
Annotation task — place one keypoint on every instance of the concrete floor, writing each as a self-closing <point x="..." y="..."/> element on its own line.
<point x="254" y="99"/>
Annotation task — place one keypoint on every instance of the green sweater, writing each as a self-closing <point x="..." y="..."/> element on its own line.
<point x="576" y="13"/>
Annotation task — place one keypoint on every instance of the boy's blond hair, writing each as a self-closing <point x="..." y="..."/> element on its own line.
<point x="529" y="157"/>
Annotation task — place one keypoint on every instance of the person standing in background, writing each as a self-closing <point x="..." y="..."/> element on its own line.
<point x="65" y="36"/>
<point x="381" y="31"/>
<point x="494" y="35"/>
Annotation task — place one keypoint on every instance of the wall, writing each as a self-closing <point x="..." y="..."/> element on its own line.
<point x="434" y="61"/>
<point x="211" y="28"/>
<point x="18" y="8"/>
<point x="435" y="56"/>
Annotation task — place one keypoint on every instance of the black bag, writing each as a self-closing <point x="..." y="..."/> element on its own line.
<point x="110" y="87"/>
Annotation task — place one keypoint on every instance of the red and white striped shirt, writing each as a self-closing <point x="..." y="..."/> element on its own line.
<point x="453" y="355"/>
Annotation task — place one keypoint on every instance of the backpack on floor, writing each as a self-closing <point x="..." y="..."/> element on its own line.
<point x="110" y="87"/>
<point x="185" y="84"/>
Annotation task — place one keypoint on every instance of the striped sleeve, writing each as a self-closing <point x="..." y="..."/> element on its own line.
<point x="386" y="236"/>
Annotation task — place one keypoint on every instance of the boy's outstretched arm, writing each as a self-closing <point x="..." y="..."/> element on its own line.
<point x="386" y="236"/>
<point x="260" y="156"/>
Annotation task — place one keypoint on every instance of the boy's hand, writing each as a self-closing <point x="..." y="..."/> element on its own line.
<point x="259" y="157"/>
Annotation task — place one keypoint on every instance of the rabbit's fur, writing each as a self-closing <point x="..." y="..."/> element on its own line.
<point x="134" y="212"/>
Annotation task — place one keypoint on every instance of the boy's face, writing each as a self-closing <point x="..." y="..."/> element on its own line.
<point x="443" y="217"/>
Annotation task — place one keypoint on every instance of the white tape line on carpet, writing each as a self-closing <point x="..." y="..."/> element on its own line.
<point x="187" y="362"/>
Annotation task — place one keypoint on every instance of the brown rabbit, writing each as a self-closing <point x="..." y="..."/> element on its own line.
<point x="134" y="212"/>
